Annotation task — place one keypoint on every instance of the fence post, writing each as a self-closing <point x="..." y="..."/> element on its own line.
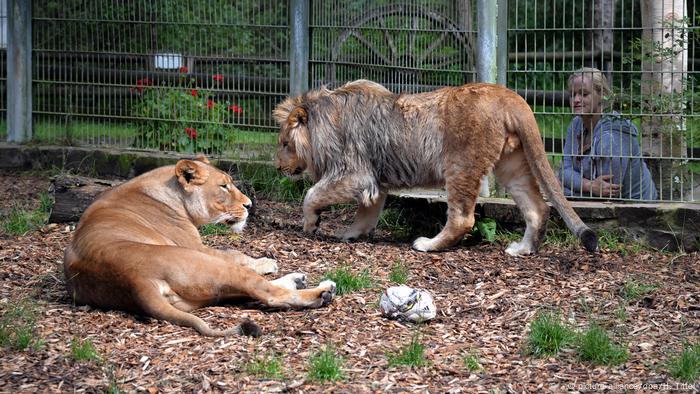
<point x="502" y="32"/>
<point x="486" y="42"/>
<point x="19" y="71"/>
<point x="299" y="48"/>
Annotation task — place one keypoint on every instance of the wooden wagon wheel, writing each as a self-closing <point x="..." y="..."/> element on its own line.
<point x="404" y="23"/>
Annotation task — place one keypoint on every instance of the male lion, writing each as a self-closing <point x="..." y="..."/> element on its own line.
<point x="137" y="249"/>
<point x="360" y="141"/>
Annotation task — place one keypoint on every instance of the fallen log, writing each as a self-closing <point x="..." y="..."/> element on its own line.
<point x="73" y="194"/>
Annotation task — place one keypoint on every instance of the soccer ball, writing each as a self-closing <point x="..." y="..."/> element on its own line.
<point x="406" y="303"/>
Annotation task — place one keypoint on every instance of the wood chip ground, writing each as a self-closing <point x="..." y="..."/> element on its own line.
<point x="485" y="301"/>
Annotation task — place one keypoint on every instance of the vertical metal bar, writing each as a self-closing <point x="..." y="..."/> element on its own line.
<point x="486" y="12"/>
<point x="19" y="71"/>
<point x="299" y="48"/>
<point x="502" y="46"/>
<point x="486" y="64"/>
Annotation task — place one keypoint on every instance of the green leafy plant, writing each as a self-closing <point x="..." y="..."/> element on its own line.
<point x="487" y="229"/>
<point x="268" y="366"/>
<point x="686" y="366"/>
<point x="548" y="335"/>
<point x="326" y="365"/>
<point x="83" y="350"/>
<point x="398" y="273"/>
<point x="347" y="282"/>
<point x="412" y="355"/>
<point x="595" y="346"/>
<point x="18" y="326"/>
<point x="182" y="118"/>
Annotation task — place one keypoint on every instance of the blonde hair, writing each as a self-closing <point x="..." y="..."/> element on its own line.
<point x="598" y="81"/>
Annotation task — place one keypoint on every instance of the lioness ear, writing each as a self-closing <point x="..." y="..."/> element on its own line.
<point x="202" y="158"/>
<point x="191" y="173"/>
<point x="299" y="116"/>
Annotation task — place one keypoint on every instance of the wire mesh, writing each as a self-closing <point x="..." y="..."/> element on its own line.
<point x="182" y="75"/>
<point x="646" y="70"/>
<point x="407" y="46"/>
<point x="3" y="69"/>
<point x="171" y="75"/>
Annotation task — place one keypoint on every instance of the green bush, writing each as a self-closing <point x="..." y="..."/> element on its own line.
<point x="182" y="118"/>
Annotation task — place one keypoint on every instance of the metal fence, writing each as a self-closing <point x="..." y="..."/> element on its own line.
<point x="182" y="75"/>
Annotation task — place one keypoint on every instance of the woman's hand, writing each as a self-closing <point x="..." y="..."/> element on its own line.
<point x="603" y="187"/>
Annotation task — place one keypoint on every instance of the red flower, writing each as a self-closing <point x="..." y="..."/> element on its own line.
<point x="218" y="77"/>
<point x="210" y="103"/>
<point x="184" y="70"/>
<point x="235" y="109"/>
<point x="142" y="83"/>
<point x="191" y="131"/>
<point x="194" y="92"/>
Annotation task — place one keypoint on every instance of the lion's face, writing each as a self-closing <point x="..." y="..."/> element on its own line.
<point x="293" y="146"/>
<point x="212" y="196"/>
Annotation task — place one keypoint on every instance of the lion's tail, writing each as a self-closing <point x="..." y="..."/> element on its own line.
<point x="529" y="135"/>
<point x="158" y="307"/>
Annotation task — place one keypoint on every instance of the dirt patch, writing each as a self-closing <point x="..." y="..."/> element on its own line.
<point x="485" y="301"/>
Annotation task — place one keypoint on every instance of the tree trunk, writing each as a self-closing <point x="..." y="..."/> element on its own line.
<point x="602" y="37"/>
<point x="665" y="67"/>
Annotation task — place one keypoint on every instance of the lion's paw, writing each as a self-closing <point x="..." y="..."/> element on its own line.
<point x="423" y="244"/>
<point x="348" y="235"/>
<point x="311" y="226"/>
<point x="293" y="281"/>
<point x="517" y="249"/>
<point x="264" y="266"/>
<point x="328" y="292"/>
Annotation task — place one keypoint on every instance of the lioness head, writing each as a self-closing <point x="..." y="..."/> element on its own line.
<point x="211" y="195"/>
<point x="294" y="143"/>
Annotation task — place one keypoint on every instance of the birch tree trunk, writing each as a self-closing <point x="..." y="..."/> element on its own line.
<point x="664" y="76"/>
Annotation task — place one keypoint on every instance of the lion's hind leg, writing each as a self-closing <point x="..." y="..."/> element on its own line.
<point x="514" y="173"/>
<point x="461" y="201"/>
<point x="155" y="304"/>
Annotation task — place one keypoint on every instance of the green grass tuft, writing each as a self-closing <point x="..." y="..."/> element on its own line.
<point x="268" y="366"/>
<point x="393" y="220"/>
<point x="686" y="366"/>
<point x="269" y="182"/>
<point x="595" y="346"/>
<point x="347" y="282"/>
<point x="83" y="350"/>
<point x="548" y="335"/>
<point x="633" y="290"/>
<point x="560" y="237"/>
<point x="214" y="229"/>
<point x="21" y="221"/>
<point x="471" y="362"/>
<point x="412" y="355"/>
<point x="18" y="326"/>
<point x="398" y="273"/>
<point x="326" y="366"/>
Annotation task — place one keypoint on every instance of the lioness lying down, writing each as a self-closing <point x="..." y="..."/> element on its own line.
<point x="360" y="141"/>
<point x="137" y="249"/>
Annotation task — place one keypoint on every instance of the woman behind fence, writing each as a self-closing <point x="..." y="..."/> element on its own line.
<point x="602" y="156"/>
